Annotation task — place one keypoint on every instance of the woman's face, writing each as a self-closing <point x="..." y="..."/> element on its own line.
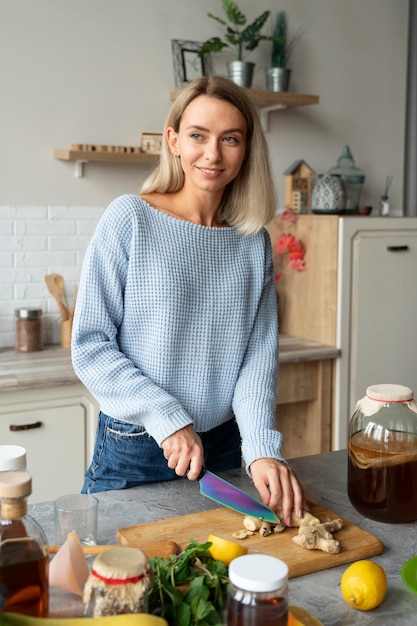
<point x="211" y="143"/>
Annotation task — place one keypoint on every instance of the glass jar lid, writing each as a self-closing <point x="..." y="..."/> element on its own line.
<point x="12" y="458"/>
<point x="258" y="572"/>
<point x="389" y="393"/>
<point x="25" y="314"/>
<point x="347" y="169"/>
<point x="122" y="564"/>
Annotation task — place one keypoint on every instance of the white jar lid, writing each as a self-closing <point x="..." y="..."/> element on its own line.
<point x="390" y="393"/>
<point x="258" y="572"/>
<point x="12" y="458"/>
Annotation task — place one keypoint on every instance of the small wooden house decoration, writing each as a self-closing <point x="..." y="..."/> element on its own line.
<point x="298" y="179"/>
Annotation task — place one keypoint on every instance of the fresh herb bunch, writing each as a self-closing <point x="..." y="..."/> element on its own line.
<point x="236" y="38"/>
<point x="205" y="581"/>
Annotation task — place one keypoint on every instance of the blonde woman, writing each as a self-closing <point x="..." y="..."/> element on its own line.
<point x="175" y="330"/>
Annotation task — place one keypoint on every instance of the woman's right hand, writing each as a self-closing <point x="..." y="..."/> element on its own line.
<point x="184" y="452"/>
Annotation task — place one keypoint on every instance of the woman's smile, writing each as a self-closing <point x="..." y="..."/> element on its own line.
<point x="211" y="143"/>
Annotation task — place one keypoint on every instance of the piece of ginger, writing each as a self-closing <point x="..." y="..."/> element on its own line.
<point x="308" y="519"/>
<point x="319" y="537"/>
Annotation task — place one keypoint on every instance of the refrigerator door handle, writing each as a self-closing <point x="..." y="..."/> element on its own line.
<point x="397" y="248"/>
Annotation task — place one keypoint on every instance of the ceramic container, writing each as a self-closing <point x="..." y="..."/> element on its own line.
<point x="328" y="195"/>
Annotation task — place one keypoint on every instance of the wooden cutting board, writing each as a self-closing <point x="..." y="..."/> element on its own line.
<point x="355" y="543"/>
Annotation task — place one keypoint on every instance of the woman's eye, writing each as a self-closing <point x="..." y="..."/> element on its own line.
<point x="197" y="136"/>
<point x="230" y="139"/>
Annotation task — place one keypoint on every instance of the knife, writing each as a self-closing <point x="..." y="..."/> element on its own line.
<point x="224" y="493"/>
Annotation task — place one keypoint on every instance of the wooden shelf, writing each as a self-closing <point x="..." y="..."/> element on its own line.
<point x="84" y="156"/>
<point x="267" y="101"/>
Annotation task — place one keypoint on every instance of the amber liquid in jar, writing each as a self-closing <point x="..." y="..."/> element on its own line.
<point x="24" y="578"/>
<point x="272" y="612"/>
<point x="382" y="477"/>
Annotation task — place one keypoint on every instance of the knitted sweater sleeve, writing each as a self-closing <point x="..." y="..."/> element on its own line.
<point x="120" y="388"/>
<point x="255" y="396"/>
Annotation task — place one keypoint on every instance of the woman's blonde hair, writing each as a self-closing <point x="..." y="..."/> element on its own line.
<point x="248" y="201"/>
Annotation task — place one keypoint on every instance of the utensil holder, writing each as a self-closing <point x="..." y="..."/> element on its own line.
<point x="66" y="329"/>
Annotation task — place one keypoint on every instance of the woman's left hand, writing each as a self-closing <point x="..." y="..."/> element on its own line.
<point x="278" y="486"/>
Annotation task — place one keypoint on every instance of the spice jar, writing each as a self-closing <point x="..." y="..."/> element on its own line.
<point x="24" y="558"/>
<point x="118" y="583"/>
<point x="28" y="330"/>
<point x="382" y="454"/>
<point x="258" y="591"/>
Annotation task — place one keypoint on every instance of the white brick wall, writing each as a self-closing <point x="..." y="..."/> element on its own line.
<point x="35" y="241"/>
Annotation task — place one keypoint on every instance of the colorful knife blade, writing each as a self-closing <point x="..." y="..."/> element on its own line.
<point x="228" y="495"/>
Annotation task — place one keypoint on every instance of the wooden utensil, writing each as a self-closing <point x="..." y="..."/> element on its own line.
<point x="151" y="548"/>
<point x="356" y="543"/>
<point x="55" y="284"/>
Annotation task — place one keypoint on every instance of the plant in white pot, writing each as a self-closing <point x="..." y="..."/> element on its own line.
<point x="278" y="75"/>
<point x="240" y="37"/>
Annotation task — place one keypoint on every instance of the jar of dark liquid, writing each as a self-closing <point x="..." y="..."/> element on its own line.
<point x="257" y="594"/>
<point x="382" y="455"/>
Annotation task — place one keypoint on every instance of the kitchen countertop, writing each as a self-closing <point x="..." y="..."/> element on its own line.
<point x="52" y="366"/>
<point x="324" y="476"/>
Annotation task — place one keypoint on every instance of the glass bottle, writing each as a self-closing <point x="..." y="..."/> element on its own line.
<point x="382" y="455"/>
<point x="24" y="559"/>
<point x="257" y="594"/>
<point x="352" y="176"/>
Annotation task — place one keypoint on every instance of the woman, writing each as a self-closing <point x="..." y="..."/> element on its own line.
<point x="175" y="330"/>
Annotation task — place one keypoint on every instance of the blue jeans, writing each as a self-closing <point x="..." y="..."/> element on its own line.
<point x="126" y="456"/>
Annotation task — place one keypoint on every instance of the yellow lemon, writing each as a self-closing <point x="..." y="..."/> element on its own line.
<point x="224" y="550"/>
<point x="293" y="621"/>
<point x="364" y="585"/>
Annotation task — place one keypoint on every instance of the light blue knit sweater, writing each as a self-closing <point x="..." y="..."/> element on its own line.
<point x="176" y="324"/>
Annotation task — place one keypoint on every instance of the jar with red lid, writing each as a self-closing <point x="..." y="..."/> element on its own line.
<point x="382" y="454"/>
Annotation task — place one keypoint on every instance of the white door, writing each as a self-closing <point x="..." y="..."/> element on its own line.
<point x="383" y="316"/>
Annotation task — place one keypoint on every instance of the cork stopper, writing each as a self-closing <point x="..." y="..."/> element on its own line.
<point x="121" y="563"/>
<point x="390" y="393"/>
<point x="15" y="485"/>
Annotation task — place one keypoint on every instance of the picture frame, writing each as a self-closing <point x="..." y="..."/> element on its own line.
<point x="188" y="64"/>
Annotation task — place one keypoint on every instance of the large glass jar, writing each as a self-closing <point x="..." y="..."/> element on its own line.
<point x="352" y="176"/>
<point x="382" y="454"/>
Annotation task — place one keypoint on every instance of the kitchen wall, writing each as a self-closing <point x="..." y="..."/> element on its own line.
<point x="100" y="71"/>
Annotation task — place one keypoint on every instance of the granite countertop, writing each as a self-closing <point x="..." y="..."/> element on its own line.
<point x="324" y="476"/>
<point x="52" y="366"/>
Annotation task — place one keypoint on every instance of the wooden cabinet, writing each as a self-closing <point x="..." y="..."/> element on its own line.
<point x="359" y="294"/>
<point x="57" y="428"/>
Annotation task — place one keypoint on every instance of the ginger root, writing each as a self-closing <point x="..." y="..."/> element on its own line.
<point x="319" y="536"/>
<point x="307" y="520"/>
<point x="312" y="533"/>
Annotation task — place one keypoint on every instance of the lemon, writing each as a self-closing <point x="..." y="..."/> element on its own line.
<point x="224" y="550"/>
<point x="293" y="621"/>
<point x="364" y="585"/>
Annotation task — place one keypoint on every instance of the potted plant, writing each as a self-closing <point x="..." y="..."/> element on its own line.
<point x="278" y="75"/>
<point x="240" y="37"/>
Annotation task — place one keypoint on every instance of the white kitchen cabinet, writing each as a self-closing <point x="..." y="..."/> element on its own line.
<point x="359" y="294"/>
<point x="57" y="427"/>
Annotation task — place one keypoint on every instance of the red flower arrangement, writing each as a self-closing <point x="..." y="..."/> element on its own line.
<point x="288" y="244"/>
